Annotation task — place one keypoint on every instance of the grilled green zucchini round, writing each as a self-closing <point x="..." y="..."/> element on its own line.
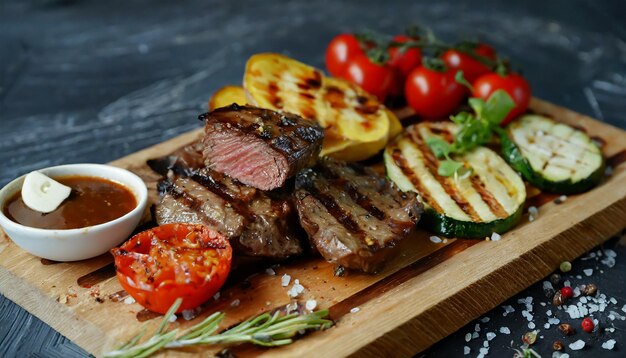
<point x="489" y="199"/>
<point x="552" y="156"/>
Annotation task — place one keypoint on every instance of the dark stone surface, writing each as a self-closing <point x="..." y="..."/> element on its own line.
<point x="90" y="81"/>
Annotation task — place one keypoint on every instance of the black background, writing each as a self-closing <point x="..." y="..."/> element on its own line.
<point x="91" y="81"/>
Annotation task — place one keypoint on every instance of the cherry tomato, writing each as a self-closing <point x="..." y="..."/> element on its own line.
<point x="405" y="61"/>
<point x="471" y="67"/>
<point x="433" y="94"/>
<point x="159" y="265"/>
<point x="485" y="50"/>
<point x="378" y="80"/>
<point x="340" y="51"/>
<point x="515" y="85"/>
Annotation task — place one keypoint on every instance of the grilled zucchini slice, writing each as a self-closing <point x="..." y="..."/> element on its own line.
<point x="227" y="95"/>
<point x="356" y="125"/>
<point x="488" y="199"/>
<point x="552" y="156"/>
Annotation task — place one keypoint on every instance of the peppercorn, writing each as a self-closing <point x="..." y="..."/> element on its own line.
<point x="557" y="345"/>
<point x="565" y="266"/>
<point x="590" y="290"/>
<point x="558" y="299"/>
<point x="555" y="278"/>
<point x="587" y="325"/>
<point x="567" y="329"/>
<point x="567" y="292"/>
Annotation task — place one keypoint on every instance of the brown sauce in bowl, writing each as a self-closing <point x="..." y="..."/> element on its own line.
<point x="93" y="201"/>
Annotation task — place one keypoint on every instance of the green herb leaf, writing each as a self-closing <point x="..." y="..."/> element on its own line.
<point x="448" y="167"/>
<point x="461" y="79"/>
<point x="497" y="107"/>
<point x="477" y="104"/>
<point x="440" y="147"/>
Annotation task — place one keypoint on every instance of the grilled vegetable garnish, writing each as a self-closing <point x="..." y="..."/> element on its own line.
<point x="488" y="198"/>
<point x="356" y="125"/>
<point x="227" y="95"/>
<point x="552" y="156"/>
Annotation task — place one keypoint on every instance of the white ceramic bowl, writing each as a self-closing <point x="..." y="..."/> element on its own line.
<point x="83" y="243"/>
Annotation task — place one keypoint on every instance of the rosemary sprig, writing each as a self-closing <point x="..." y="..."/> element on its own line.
<point x="268" y="330"/>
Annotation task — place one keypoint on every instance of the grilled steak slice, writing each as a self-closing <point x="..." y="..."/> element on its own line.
<point x="257" y="223"/>
<point x="259" y="147"/>
<point x="352" y="215"/>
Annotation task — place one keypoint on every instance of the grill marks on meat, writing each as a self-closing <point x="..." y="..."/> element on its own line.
<point x="259" y="147"/>
<point x="257" y="223"/>
<point x="353" y="216"/>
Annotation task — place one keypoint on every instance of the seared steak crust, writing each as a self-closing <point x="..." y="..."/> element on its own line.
<point x="257" y="223"/>
<point x="352" y="215"/>
<point x="259" y="147"/>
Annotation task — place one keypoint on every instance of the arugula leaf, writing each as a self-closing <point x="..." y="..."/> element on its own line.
<point x="475" y="129"/>
<point x="448" y="167"/>
<point x="497" y="107"/>
<point x="440" y="147"/>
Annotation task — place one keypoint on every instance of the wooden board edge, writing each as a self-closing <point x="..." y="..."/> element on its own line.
<point x="56" y="315"/>
<point x="418" y="332"/>
<point x="515" y="272"/>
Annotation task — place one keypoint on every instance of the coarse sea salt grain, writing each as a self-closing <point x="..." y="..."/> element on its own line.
<point x="466" y="350"/>
<point x="490" y="336"/>
<point x="284" y="280"/>
<point x="495" y="236"/>
<point x="172" y="318"/>
<point x="270" y="271"/>
<point x="573" y="312"/>
<point x="531" y="325"/>
<point x="296" y="289"/>
<point x="508" y="309"/>
<point x="610" y="344"/>
<point x="354" y="310"/>
<point x="578" y="345"/>
<point x="554" y="321"/>
<point x="235" y="303"/>
<point x="588" y="272"/>
<point x="546" y="326"/>
<point x="485" y="319"/>
<point x="129" y="300"/>
<point x="468" y="337"/>
<point x="216" y="296"/>
<point x="624" y="308"/>
<point x="557" y="354"/>
<point x="435" y="239"/>
<point x="477" y="327"/>
<point x="505" y="330"/>
<point x="475" y="335"/>
<point x="310" y="305"/>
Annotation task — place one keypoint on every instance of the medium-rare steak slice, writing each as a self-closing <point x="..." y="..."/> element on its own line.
<point x="257" y="223"/>
<point x="352" y="215"/>
<point x="259" y="147"/>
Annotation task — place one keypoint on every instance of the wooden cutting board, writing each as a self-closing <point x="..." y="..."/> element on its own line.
<point x="425" y="293"/>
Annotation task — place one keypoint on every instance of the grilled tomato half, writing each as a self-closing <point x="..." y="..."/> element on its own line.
<point x="175" y="260"/>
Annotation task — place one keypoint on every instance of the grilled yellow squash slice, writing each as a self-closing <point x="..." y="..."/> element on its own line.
<point x="227" y="95"/>
<point x="356" y="125"/>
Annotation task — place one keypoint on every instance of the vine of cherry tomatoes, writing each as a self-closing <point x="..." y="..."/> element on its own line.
<point x="423" y="70"/>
